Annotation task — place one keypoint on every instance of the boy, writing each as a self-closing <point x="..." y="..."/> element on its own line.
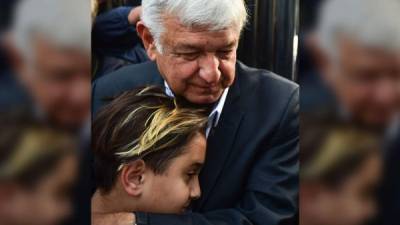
<point x="148" y="151"/>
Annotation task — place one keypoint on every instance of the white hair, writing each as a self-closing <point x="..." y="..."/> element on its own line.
<point x="213" y="14"/>
<point x="63" y="23"/>
<point x="372" y="23"/>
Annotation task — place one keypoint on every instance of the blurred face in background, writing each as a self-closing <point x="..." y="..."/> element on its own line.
<point x="197" y="64"/>
<point x="366" y="82"/>
<point x="351" y="202"/>
<point x="48" y="202"/>
<point x="58" y="80"/>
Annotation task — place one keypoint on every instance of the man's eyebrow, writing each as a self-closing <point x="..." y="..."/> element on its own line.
<point x="230" y="45"/>
<point x="187" y="46"/>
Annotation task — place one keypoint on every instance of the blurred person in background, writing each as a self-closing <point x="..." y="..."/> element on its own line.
<point x="106" y="5"/>
<point x="115" y="42"/>
<point x="10" y="90"/>
<point x="38" y="168"/>
<point x="48" y="47"/>
<point x="339" y="175"/>
<point x="94" y="8"/>
<point x="356" y="48"/>
<point x="52" y="59"/>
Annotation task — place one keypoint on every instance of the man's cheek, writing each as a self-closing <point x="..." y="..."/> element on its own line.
<point x="228" y="71"/>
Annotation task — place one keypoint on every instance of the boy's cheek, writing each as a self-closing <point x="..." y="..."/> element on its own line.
<point x="178" y="195"/>
<point x="169" y="195"/>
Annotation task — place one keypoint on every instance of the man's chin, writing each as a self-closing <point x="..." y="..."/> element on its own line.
<point x="71" y="124"/>
<point x="203" y="100"/>
<point x="377" y="123"/>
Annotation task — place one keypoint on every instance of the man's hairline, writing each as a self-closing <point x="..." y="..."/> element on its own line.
<point x="161" y="41"/>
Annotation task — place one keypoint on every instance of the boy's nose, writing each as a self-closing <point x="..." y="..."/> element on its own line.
<point x="195" y="191"/>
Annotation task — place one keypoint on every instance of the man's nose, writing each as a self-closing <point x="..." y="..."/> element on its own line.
<point x="209" y="69"/>
<point x="195" y="191"/>
<point x="80" y="90"/>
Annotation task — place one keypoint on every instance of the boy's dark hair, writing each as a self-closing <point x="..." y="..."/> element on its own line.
<point x="143" y="124"/>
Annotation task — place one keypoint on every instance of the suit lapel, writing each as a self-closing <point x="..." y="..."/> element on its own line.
<point x="220" y="142"/>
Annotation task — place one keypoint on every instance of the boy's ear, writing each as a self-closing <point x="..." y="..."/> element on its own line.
<point x="132" y="177"/>
<point x="147" y="39"/>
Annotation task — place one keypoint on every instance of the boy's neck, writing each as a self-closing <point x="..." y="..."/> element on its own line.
<point x="111" y="202"/>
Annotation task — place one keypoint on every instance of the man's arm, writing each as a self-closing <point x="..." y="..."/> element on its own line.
<point x="116" y="28"/>
<point x="272" y="189"/>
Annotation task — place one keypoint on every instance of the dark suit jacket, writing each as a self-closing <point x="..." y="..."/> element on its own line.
<point x="251" y="171"/>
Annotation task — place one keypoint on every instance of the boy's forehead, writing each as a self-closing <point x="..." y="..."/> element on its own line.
<point x="195" y="150"/>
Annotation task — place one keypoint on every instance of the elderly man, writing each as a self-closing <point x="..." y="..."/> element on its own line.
<point x="251" y="171"/>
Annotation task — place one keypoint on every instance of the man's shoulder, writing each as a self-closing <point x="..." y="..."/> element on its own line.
<point x="124" y="79"/>
<point x="269" y="100"/>
<point x="137" y="73"/>
<point x="266" y="83"/>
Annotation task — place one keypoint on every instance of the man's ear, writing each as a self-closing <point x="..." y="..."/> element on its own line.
<point x="147" y="39"/>
<point x="15" y="58"/>
<point x="319" y="56"/>
<point x="132" y="177"/>
<point x="13" y="55"/>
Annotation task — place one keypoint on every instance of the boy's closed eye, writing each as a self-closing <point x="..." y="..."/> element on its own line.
<point x="193" y="170"/>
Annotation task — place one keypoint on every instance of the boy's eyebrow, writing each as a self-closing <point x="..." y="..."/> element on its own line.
<point x="196" y="166"/>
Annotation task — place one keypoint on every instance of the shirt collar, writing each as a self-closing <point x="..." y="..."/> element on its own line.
<point x="216" y="112"/>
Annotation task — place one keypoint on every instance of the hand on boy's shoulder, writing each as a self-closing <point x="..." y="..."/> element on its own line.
<point x="124" y="218"/>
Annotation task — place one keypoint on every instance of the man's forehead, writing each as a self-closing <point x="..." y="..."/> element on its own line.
<point x="175" y="24"/>
<point x="180" y="36"/>
<point x="357" y="52"/>
<point x="350" y="45"/>
<point x="201" y="45"/>
<point x="202" y="41"/>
